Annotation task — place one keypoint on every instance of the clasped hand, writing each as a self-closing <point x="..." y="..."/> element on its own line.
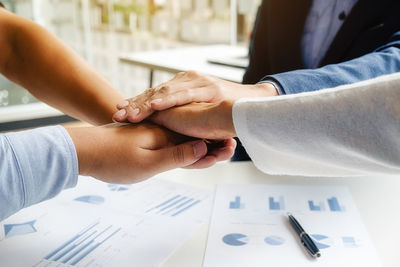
<point x="192" y="104"/>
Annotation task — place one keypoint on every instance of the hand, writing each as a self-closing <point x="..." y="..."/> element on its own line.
<point x="132" y="153"/>
<point x="185" y="88"/>
<point x="201" y="120"/>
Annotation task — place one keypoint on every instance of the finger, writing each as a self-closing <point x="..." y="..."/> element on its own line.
<point x="179" y="156"/>
<point x="181" y="97"/>
<point x="120" y="116"/>
<point x="203" y="163"/>
<point x="225" y="152"/>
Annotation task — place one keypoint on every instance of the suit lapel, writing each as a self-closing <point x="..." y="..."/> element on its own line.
<point x="285" y="26"/>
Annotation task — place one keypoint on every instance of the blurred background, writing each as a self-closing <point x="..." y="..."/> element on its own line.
<point x="102" y="30"/>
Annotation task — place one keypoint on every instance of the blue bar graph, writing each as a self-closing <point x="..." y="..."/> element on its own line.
<point x="276" y="205"/>
<point x="83" y="255"/>
<point x="315" y="207"/>
<point x="65" y="252"/>
<point x="174" y="205"/>
<point x="80" y="234"/>
<point x="236" y="203"/>
<point x="334" y="204"/>
<point x="82" y="244"/>
<point x="164" y="203"/>
<point x="178" y="201"/>
<point x="186" y="208"/>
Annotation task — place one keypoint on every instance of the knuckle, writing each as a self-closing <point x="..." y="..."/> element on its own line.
<point x="149" y="92"/>
<point x="164" y="89"/>
<point x="192" y="74"/>
<point x="145" y="105"/>
<point x="180" y="74"/>
<point x="178" y="155"/>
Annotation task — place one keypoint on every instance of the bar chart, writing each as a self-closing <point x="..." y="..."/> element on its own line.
<point x="316" y="207"/>
<point x="334" y="205"/>
<point x="236" y="204"/>
<point x="174" y="205"/>
<point x="261" y="235"/>
<point x="278" y="204"/>
<point x="76" y="249"/>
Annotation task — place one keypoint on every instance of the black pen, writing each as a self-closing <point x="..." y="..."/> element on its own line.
<point x="305" y="239"/>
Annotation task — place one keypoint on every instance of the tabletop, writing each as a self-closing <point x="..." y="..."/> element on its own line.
<point x="190" y="58"/>
<point x="377" y="199"/>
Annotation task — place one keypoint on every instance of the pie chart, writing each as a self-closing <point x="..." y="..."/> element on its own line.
<point x="274" y="240"/>
<point x="322" y="241"/>
<point x="235" y="239"/>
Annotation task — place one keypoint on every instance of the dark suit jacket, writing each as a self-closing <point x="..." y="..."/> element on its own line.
<point x="366" y="46"/>
<point x="276" y="43"/>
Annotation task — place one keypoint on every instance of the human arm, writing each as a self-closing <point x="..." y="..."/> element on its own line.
<point x="37" y="164"/>
<point x="385" y="60"/>
<point x="35" y="59"/>
<point x="345" y="131"/>
<point x="184" y="88"/>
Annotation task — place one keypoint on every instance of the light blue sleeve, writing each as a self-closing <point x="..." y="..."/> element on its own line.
<point x="35" y="165"/>
<point x="385" y="60"/>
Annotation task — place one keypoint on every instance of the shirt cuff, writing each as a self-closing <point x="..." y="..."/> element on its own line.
<point x="275" y="83"/>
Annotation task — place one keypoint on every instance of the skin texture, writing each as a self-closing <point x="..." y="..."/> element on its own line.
<point x="209" y="114"/>
<point x="132" y="153"/>
<point x="38" y="61"/>
<point x="202" y="120"/>
<point x="35" y="59"/>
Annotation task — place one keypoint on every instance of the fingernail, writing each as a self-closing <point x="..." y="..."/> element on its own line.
<point x="120" y="114"/>
<point x="135" y="112"/>
<point x="123" y="104"/>
<point x="156" y="101"/>
<point x="199" y="149"/>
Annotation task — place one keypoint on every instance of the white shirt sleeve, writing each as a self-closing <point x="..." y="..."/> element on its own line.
<point x="345" y="131"/>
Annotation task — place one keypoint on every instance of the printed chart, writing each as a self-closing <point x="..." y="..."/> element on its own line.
<point x="98" y="224"/>
<point x="250" y="224"/>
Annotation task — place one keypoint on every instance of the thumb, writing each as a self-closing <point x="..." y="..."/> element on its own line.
<point x="180" y="155"/>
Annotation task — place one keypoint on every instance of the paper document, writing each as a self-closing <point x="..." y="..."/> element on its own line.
<point x="99" y="224"/>
<point x="249" y="227"/>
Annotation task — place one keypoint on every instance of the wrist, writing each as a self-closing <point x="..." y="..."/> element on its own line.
<point x="224" y="119"/>
<point x="266" y="89"/>
<point x="82" y="140"/>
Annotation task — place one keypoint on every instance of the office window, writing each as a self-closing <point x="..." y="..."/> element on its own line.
<point x="100" y="30"/>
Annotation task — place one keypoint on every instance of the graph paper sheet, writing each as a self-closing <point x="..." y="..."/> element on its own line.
<point x="99" y="224"/>
<point x="249" y="227"/>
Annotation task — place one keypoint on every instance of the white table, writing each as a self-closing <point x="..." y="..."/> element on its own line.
<point x="377" y="198"/>
<point x="190" y="58"/>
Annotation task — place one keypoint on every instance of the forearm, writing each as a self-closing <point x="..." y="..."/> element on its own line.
<point x="381" y="62"/>
<point x="351" y="130"/>
<point x="55" y="74"/>
<point x="35" y="165"/>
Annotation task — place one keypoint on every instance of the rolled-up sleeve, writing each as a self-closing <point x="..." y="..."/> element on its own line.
<point x="35" y="165"/>
<point x="345" y="131"/>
